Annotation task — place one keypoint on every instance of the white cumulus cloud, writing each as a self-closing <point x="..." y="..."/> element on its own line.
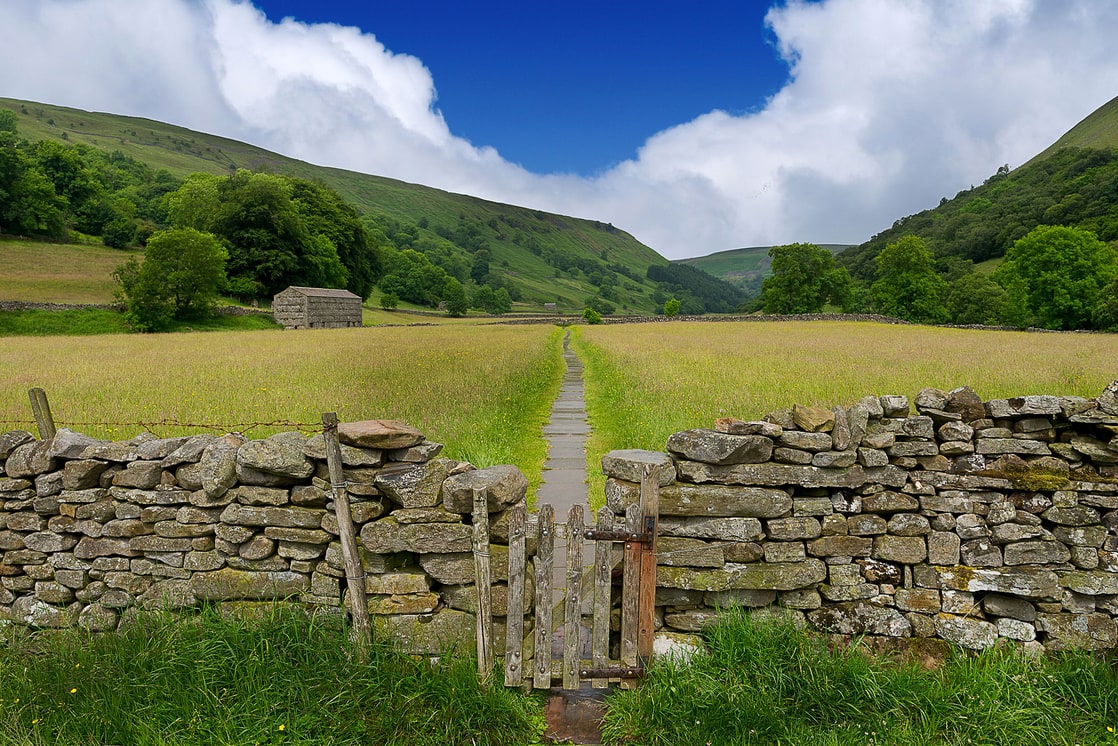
<point x="891" y="104"/>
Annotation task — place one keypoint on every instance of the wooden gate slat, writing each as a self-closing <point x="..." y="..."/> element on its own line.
<point x="572" y="617"/>
<point x="650" y="517"/>
<point x="514" y="622"/>
<point x="484" y="587"/>
<point x="545" y="554"/>
<point x="603" y="568"/>
<point x="630" y="590"/>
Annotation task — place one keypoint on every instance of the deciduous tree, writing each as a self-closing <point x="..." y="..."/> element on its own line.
<point x="908" y="286"/>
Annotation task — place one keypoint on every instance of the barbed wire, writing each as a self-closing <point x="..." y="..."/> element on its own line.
<point x="170" y="422"/>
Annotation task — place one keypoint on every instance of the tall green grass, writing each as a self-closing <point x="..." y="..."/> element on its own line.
<point x="647" y="381"/>
<point x="771" y="683"/>
<point x="279" y="677"/>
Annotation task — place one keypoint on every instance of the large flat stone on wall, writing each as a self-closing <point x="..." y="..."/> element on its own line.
<point x="721" y="500"/>
<point x="504" y="486"/>
<point x="725" y="529"/>
<point x="415" y="485"/>
<point x="629" y="465"/>
<point x="974" y="634"/>
<point x="280" y="454"/>
<point x="382" y="434"/>
<point x="244" y="515"/>
<point x="1030" y="582"/>
<point x="773" y="475"/>
<point x="713" y="447"/>
<point x="387" y="535"/>
<point x="758" y="576"/>
<point x="233" y="585"/>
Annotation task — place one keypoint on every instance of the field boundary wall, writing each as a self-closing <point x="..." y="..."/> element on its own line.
<point x="945" y="517"/>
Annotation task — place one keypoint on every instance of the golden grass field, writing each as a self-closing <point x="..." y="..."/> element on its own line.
<point x="484" y="391"/>
<point x="647" y="381"/>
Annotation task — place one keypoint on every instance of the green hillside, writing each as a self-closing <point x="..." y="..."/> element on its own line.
<point x="1072" y="183"/>
<point x="547" y="257"/>
<point x="745" y="268"/>
<point x="1098" y="130"/>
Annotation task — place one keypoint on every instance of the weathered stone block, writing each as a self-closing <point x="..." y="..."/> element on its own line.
<point x="866" y="525"/>
<point x="315" y="448"/>
<point x="860" y="618"/>
<point x="727" y="529"/>
<point x="792" y="456"/>
<point x="722" y="500"/>
<point x="713" y="447"/>
<point x="806" y="441"/>
<point x="1030" y="582"/>
<point x="890" y="502"/>
<point x="772" y="475"/>
<point x="968" y="633"/>
<point x="504" y="486"/>
<point x="629" y="465"/>
<point x="908" y="550"/>
<point x="909" y="524"/>
<point x="733" y="426"/>
<point x="1091" y="583"/>
<point x="761" y="576"/>
<point x="427" y="634"/>
<point x="380" y="434"/>
<point x="813" y="419"/>
<point x="387" y="535"/>
<point x="245" y="515"/>
<point x="229" y="585"/>
<point x="789" y="529"/>
<point x="1035" y="553"/>
<point x="1079" y="631"/>
<point x="840" y="546"/>
<point x="834" y="459"/>
<point x="943" y="548"/>
<point x="688" y="552"/>
<point x="217" y="465"/>
<point x="995" y="446"/>
<point x="1077" y="515"/>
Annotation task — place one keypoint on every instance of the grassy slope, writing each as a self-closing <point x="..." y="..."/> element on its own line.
<point x="182" y="151"/>
<point x="40" y="272"/>
<point x="1098" y="130"/>
<point x="740" y="266"/>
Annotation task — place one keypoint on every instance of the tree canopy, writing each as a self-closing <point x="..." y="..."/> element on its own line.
<point x="180" y="278"/>
<point x="908" y="286"/>
<point x="804" y="279"/>
<point x="1056" y="275"/>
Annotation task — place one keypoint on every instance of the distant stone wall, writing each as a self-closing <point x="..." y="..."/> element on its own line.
<point x="965" y="520"/>
<point x="91" y="530"/>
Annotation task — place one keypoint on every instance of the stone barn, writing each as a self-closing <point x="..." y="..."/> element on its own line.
<point x="316" y="308"/>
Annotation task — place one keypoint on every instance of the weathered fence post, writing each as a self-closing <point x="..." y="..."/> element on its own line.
<point x="41" y="409"/>
<point x="354" y="570"/>
<point x="514" y="621"/>
<point x="544" y="558"/>
<point x="572" y="616"/>
<point x="630" y="591"/>
<point x="603" y="571"/>
<point x="484" y="591"/>
<point x="650" y="523"/>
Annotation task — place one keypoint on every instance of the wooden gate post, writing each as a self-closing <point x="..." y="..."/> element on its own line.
<point x="354" y="569"/>
<point x="545" y="554"/>
<point x="514" y="621"/>
<point x="40" y="407"/>
<point x="484" y="589"/>
<point x="572" y="617"/>
<point x="650" y="524"/>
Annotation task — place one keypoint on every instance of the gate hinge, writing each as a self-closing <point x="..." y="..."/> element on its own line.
<point x="617" y="535"/>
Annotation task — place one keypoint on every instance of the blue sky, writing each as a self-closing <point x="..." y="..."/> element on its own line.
<point x="573" y="86"/>
<point x="696" y="126"/>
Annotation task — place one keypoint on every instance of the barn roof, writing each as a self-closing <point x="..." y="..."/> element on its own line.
<point x="322" y="292"/>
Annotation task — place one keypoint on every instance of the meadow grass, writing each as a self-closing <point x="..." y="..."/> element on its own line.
<point x="771" y="683"/>
<point x="40" y="272"/>
<point x="647" y="381"/>
<point x="483" y="391"/>
<point x="272" y="676"/>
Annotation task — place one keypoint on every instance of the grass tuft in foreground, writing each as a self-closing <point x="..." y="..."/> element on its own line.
<point x="767" y="682"/>
<point x="275" y="678"/>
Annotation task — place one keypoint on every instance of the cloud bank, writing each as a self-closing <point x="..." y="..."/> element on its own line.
<point x="890" y="105"/>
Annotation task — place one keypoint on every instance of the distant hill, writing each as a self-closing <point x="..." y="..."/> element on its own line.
<point x="548" y="257"/>
<point x="745" y="268"/>
<point x="1074" y="183"/>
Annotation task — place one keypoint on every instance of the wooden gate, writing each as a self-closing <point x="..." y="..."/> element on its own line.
<point x="637" y="594"/>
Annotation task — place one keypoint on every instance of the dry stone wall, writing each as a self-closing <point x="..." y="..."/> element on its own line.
<point x="91" y="530"/>
<point x="944" y="517"/>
